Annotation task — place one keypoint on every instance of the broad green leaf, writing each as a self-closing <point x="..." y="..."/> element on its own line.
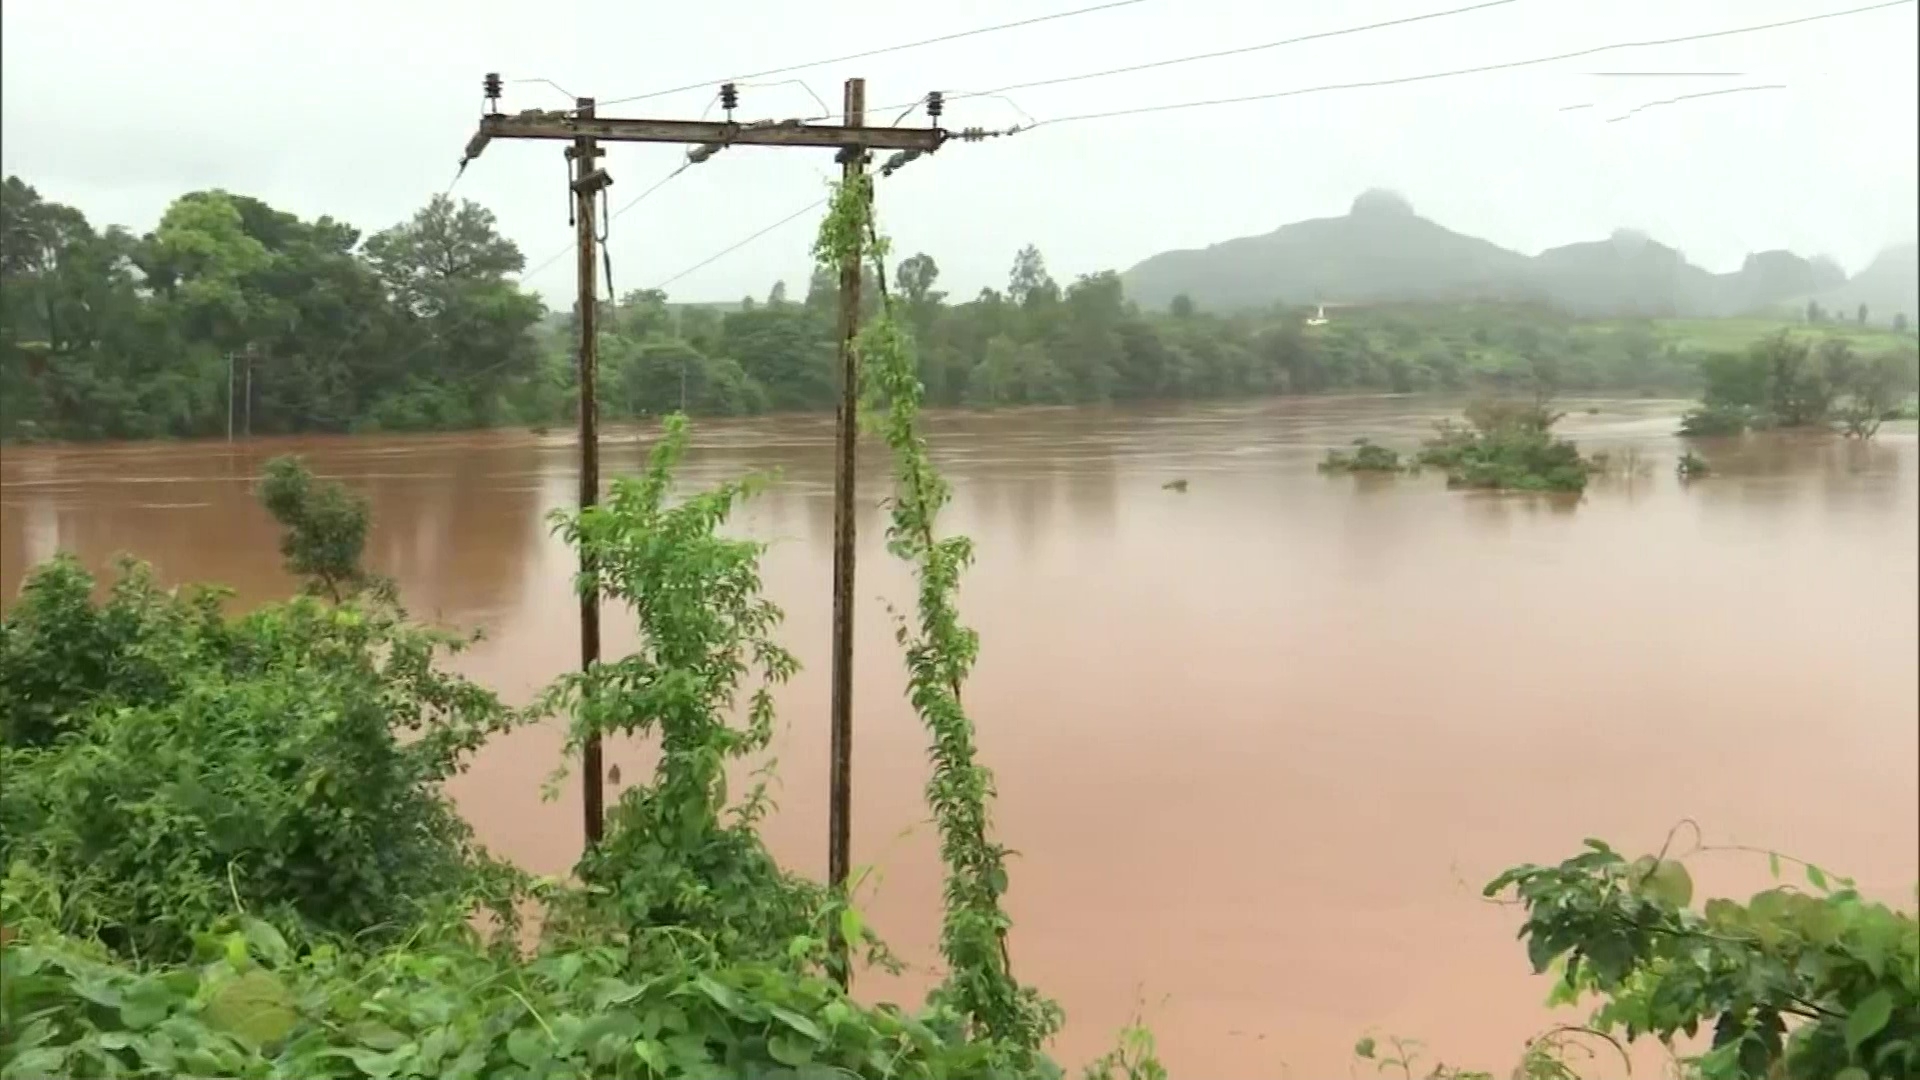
<point x="653" y="1054"/>
<point x="528" y="1046"/>
<point x="145" y="1004"/>
<point x="1867" y="1018"/>
<point x="267" y="941"/>
<point x="1816" y="877"/>
<point x="1852" y="1072"/>
<point x="1773" y="864"/>
<point x="376" y="1064"/>
<point x="375" y="1035"/>
<point x="798" y="1023"/>
<point x="1364" y="1048"/>
<point x="789" y="1050"/>
<point x="1670" y="884"/>
<point x="256" y="1006"/>
<point x="610" y="992"/>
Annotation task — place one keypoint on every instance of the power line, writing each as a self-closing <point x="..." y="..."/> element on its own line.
<point x="547" y="82"/>
<point x="737" y="245"/>
<point x="1481" y="69"/>
<point x="1111" y="4"/>
<point x="1628" y="115"/>
<point x="1221" y="53"/>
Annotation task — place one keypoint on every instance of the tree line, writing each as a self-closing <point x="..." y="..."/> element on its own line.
<point x="233" y="312"/>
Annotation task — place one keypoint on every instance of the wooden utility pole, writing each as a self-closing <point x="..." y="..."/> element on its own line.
<point x="588" y="180"/>
<point x="583" y="129"/>
<point x="853" y="166"/>
<point x="247" y="407"/>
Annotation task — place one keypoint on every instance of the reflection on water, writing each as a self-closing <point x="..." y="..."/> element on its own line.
<point x="1250" y="738"/>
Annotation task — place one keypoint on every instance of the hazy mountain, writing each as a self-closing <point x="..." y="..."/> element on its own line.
<point x="1379" y="250"/>
<point x="1889" y="286"/>
<point x="1628" y="273"/>
<point x="1382" y="251"/>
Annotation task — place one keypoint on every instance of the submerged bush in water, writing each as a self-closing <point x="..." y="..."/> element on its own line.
<point x="1507" y="446"/>
<point x="1365" y="456"/>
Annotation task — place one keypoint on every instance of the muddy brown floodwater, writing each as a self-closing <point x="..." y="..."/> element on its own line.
<point x="1257" y="742"/>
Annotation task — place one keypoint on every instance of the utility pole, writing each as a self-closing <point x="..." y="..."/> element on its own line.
<point x="853" y="167"/>
<point x="588" y="181"/>
<point x="582" y="127"/>
<point x="229" y="395"/>
<point x="247" y="410"/>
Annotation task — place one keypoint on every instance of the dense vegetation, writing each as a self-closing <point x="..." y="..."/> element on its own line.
<point x="1789" y="381"/>
<point x="228" y="852"/>
<point x="232" y="310"/>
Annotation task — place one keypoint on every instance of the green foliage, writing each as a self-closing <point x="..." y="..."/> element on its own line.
<point x="980" y="986"/>
<point x="1785" y="380"/>
<point x="1366" y="456"/>
<point x="325" y="529"/>
<point x="1134" y="1057"/>
<point x="1507" y="446"/>
<point x="65" y="657"/>
<point x="166" y="766"/>
<point x="108" y="335"/>
<point x="1792" y="984"/>
<point x="673" y="857"/>
<point x="422" y="327"/>
<point x="246" y="1005"/>
<point x="1707" y="421"/>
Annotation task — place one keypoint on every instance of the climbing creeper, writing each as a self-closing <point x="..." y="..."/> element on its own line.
<point x="979" y="987"/>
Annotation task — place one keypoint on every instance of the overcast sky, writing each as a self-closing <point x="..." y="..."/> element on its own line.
<point x="359" y="110"/>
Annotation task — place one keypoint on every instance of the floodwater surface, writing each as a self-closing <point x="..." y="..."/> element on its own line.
<point x="1257" y="742"/>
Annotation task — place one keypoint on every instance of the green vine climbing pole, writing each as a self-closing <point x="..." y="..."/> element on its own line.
<point x="980" y="987"/>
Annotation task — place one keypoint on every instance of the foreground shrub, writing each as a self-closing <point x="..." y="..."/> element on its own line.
<point x="168" y="766"/>
<point x="245" y="1005"/>
<point x="1792" y="985"/>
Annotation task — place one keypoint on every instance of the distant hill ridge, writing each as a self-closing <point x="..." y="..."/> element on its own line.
<point x="1382" y="251"/>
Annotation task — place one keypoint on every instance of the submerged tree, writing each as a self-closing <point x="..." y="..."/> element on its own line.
<point x="325" y="529"/>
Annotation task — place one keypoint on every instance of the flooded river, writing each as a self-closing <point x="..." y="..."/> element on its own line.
<point x="1257" y="742"/>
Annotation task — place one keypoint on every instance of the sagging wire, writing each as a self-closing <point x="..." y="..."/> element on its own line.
<point x="1029" y="21"/>
<point x="548" y="82"/>
<point x="1629" y="114"/>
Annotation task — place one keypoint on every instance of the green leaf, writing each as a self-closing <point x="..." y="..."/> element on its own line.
<point x="1773" y="864"/>
<point x="527" y="1046"/>
<point x="145" y="1004"/>
<point x="653" y="1054"/>
<point x="1816" y="877"/>
<point x="1364" y="1048"/>
<point x="1867" y="1018"/>
<point x="851" y="925"/>
<point x="798" y="1023"/>
<point x="377" y="1065"/>
<point x="376" y="1035"/>
<point x="1670" y="884"/>
<point x="267" y="941"/>
<point x="610" y="992"/>
<point x="788" y="1050"/>
<point x="720" y="993"/>
<point x="1852" y="1072"/>
<point x="256" y="1006"/>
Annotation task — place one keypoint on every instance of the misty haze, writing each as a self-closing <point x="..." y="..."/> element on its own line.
<point x="1115" y="539"/>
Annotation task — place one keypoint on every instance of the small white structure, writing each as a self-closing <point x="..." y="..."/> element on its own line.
<point x="1319" y="316"/>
